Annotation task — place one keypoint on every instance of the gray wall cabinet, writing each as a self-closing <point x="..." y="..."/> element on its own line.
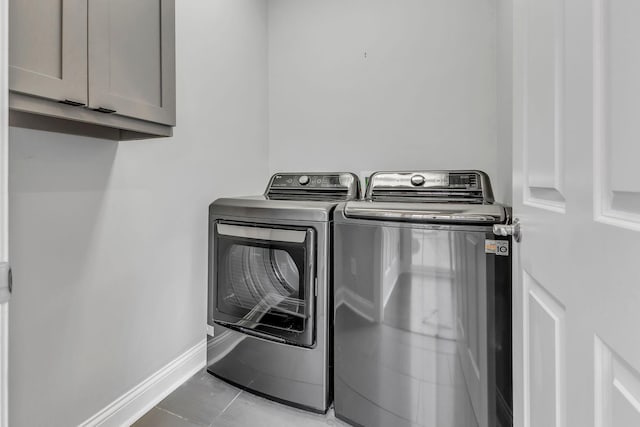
<point x="132" y="58"/>
<point x="46" y="58"/>
<point x="102" y="68"/>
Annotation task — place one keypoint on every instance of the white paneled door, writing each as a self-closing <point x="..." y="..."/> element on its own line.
<point x="577" y="194"/>
<point x="4" y="238"/>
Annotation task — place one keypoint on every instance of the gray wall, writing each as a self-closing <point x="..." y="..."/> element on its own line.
<point x="108" y="241"/>
<point x="423" y="97"/>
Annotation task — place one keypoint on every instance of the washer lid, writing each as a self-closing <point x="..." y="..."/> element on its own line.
<point x="448" y="213"/>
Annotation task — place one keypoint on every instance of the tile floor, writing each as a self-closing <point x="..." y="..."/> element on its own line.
<point x="206" y="401"/>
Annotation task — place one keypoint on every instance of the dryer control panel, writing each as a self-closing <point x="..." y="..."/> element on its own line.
<point x="314" y="186"/>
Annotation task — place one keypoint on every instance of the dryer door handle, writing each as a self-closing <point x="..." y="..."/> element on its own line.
<point x="262" y="233"/>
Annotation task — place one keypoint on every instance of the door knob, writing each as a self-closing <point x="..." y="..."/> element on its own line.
<point x="6" y="285"/>
<point x="512" y="229"/>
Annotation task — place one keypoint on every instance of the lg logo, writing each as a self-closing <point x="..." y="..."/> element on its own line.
<point x="498" y="247"/>
<point x="502" y="247"/>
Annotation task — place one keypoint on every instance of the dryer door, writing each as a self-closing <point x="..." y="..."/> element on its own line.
<point x="262" y="280"/>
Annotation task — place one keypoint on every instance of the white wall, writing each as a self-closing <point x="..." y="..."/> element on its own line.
<point x="109" y="241"/>
<point x="505" y="104"/>
<point x="423" y="97"/>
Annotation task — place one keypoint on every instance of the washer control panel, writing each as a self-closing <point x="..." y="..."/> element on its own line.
<point x="459" y="186"/>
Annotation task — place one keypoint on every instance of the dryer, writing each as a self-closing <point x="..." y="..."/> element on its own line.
<point x="269" y="306"/>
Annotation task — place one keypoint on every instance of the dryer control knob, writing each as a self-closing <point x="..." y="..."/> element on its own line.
<point x="303" y="180"/>
<point x="417" y="180"/>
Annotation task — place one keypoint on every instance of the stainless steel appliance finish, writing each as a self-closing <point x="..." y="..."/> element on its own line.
<point x="422" y="303"/>
<point x="269" y="287"/>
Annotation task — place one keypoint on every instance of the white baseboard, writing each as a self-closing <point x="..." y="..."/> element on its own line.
<point x="132" y="405"/>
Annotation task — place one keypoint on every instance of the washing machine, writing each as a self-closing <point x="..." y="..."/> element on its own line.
<point x="422" y="300"/>
<point x="269" y="305"/>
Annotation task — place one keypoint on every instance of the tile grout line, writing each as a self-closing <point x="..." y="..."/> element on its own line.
<point x="174" y="414"/>
<point x="226" y="407"/>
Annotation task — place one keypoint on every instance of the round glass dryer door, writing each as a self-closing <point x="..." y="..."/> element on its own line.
<point x="263" y="280"/>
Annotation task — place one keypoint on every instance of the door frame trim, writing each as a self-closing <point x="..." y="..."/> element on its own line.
<point x="4" y="200"/>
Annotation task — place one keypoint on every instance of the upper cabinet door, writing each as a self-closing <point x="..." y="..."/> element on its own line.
<point x="132" y="58"/>
<point x="48" y="49"/>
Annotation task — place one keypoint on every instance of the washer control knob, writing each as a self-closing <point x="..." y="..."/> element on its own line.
<point x="303" y="180"/>
<point x="417" y="180"/>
